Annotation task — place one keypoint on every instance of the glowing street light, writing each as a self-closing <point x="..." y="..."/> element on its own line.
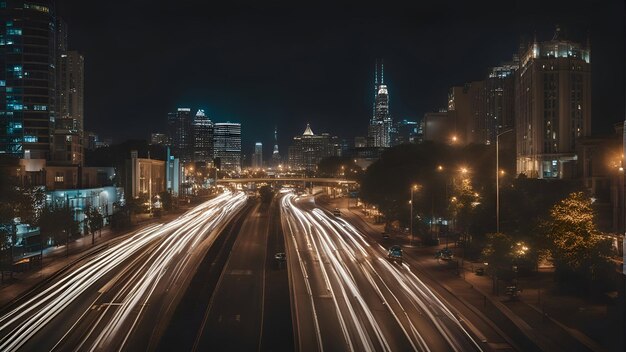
<point x="413" y="188"/>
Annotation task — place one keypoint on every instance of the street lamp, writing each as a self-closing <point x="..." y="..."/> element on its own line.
<point x="413" y="188"/>
<point x="498" y="178"/>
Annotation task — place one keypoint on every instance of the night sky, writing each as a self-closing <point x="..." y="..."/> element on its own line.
<point x="287" y="64"/>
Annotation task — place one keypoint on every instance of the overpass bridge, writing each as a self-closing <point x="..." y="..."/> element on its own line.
<point x="318" y="180"/>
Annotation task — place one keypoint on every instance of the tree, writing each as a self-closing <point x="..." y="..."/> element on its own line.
<point x="579" y="251"/>
<point x="95" y="222"/>
<point x="166" y="200"/>
<point x="266" y="194"/>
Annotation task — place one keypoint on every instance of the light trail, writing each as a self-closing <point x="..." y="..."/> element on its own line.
<point x="162" y="249"/>
<point x="355" y="271"/>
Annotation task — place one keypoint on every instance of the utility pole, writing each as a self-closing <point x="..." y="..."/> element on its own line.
<point x="498" y="179"/>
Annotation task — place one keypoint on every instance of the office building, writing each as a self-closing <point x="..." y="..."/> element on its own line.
<point x="27" y="78"/>
<point x="553" y="106"/>
<point x="227" y="146"/>
<point x="308" y="149"/>
<point x="466" y="106"/>
<point x="202" y="128"/>
<point x="500" y="99"/>
<point x="405" y="131"/>
<point x="440" y="127"/>
<point x="257" y="156"/>
<point x="159" y="139"/>
<point x="68" y="130"/>
<point x="181" y="134"/>
<point x="380" y="126"/>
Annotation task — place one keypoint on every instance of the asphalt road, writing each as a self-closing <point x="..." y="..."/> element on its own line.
<point x="234" y="317"/>
<point x="347" y="296"/>
<point x="479" y="325"/>
<point x="120" y="298"/>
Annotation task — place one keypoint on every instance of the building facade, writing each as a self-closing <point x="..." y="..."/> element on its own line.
<point x="68" y="132"/>
<point x="227" y="146"/>
<point x="381" y="124"/>
<point x="202" y="128"/>
<point x="500" y="99"/>
<point x="405" y="131"/>
<point x="159" y="139"/>
<point x="257" y="156"/>
<point x="181" y="134"/>
<point x="308" y="149"/>
<point x="275" y="153"/>
<point x="27" y="78"/>
<point x="553" y="106"/>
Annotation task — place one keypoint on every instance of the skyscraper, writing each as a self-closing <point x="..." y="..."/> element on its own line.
<point x="257" y="156"/>
<point x="68" y="130"/>
<point x="380" y="127"/>
<point x="405" y="131"/>
<point x="275" y="152"/>
<point x="227" y="145"/>
<point x="27" y="78"/>
<point x="202" y="128"/>
<point x="500" y="98"/>
<point x="553" y="106"/>
<point x="308" y="149"/>
<point x="181" y="134"/>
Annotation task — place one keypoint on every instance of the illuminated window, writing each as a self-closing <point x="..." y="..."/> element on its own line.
<point x="30" y="139"/>
<point x="14" y="31"/>
<point x="59" y="177"/>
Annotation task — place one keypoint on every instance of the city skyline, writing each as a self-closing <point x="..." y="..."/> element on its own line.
<point x="329" y="82"/>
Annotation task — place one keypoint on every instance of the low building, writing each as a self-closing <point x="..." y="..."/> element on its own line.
<point x="144" y="176"/>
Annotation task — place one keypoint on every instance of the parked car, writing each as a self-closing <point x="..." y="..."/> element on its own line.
<point x="385" y="236"/>
<point x="480" y="271"/>
<point x="336" y="212"/>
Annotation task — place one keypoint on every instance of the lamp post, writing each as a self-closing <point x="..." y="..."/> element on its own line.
<point x="413" y="188"/>
<point x="498" y="179"/>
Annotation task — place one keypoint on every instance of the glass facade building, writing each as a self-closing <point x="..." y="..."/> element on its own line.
<point x="227" y="145"/>
<point x="181" y="134"/>
<point x="27" y="78"/>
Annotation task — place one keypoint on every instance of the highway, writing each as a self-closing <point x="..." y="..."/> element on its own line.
<point x="346" y="295"/>
<point x="233" y="319"/>
<point x="122" y="297"/>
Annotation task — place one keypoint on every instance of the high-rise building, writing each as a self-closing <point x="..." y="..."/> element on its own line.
<point x="227" y="145"/>
<point x="202" y="128"/>
<point x="181" y="134"/>
<point x="308" y="149"/>
<point x="159" y="139"/>
<point x="466" y="106"/>
<point x="553" y="106"/>
<point x="27" y="78"/>
<point x="438" y="127"/>
<point x="275" y="152"/>
<point x="500" y="98"/>
<point x="405" y="131"/>
<point x="257" y="156"/>
<point x="68" y="130"/>
<point x="381" y="124"/>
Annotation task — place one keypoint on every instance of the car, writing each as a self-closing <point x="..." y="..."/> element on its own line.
<point x="281" y="257"/>
<point x="336" y="212"/>
<point x="480" y="271"/>
<point x="395" y="254"/>
<point x="385" y="236"/>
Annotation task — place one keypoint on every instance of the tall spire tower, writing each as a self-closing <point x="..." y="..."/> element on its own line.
<point x="379" y="131"/>
<point x="275" y="153"/>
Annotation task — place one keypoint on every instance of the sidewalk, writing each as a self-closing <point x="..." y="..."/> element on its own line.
<point x="522" y="319"/>
<point x="55" y="259"/>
